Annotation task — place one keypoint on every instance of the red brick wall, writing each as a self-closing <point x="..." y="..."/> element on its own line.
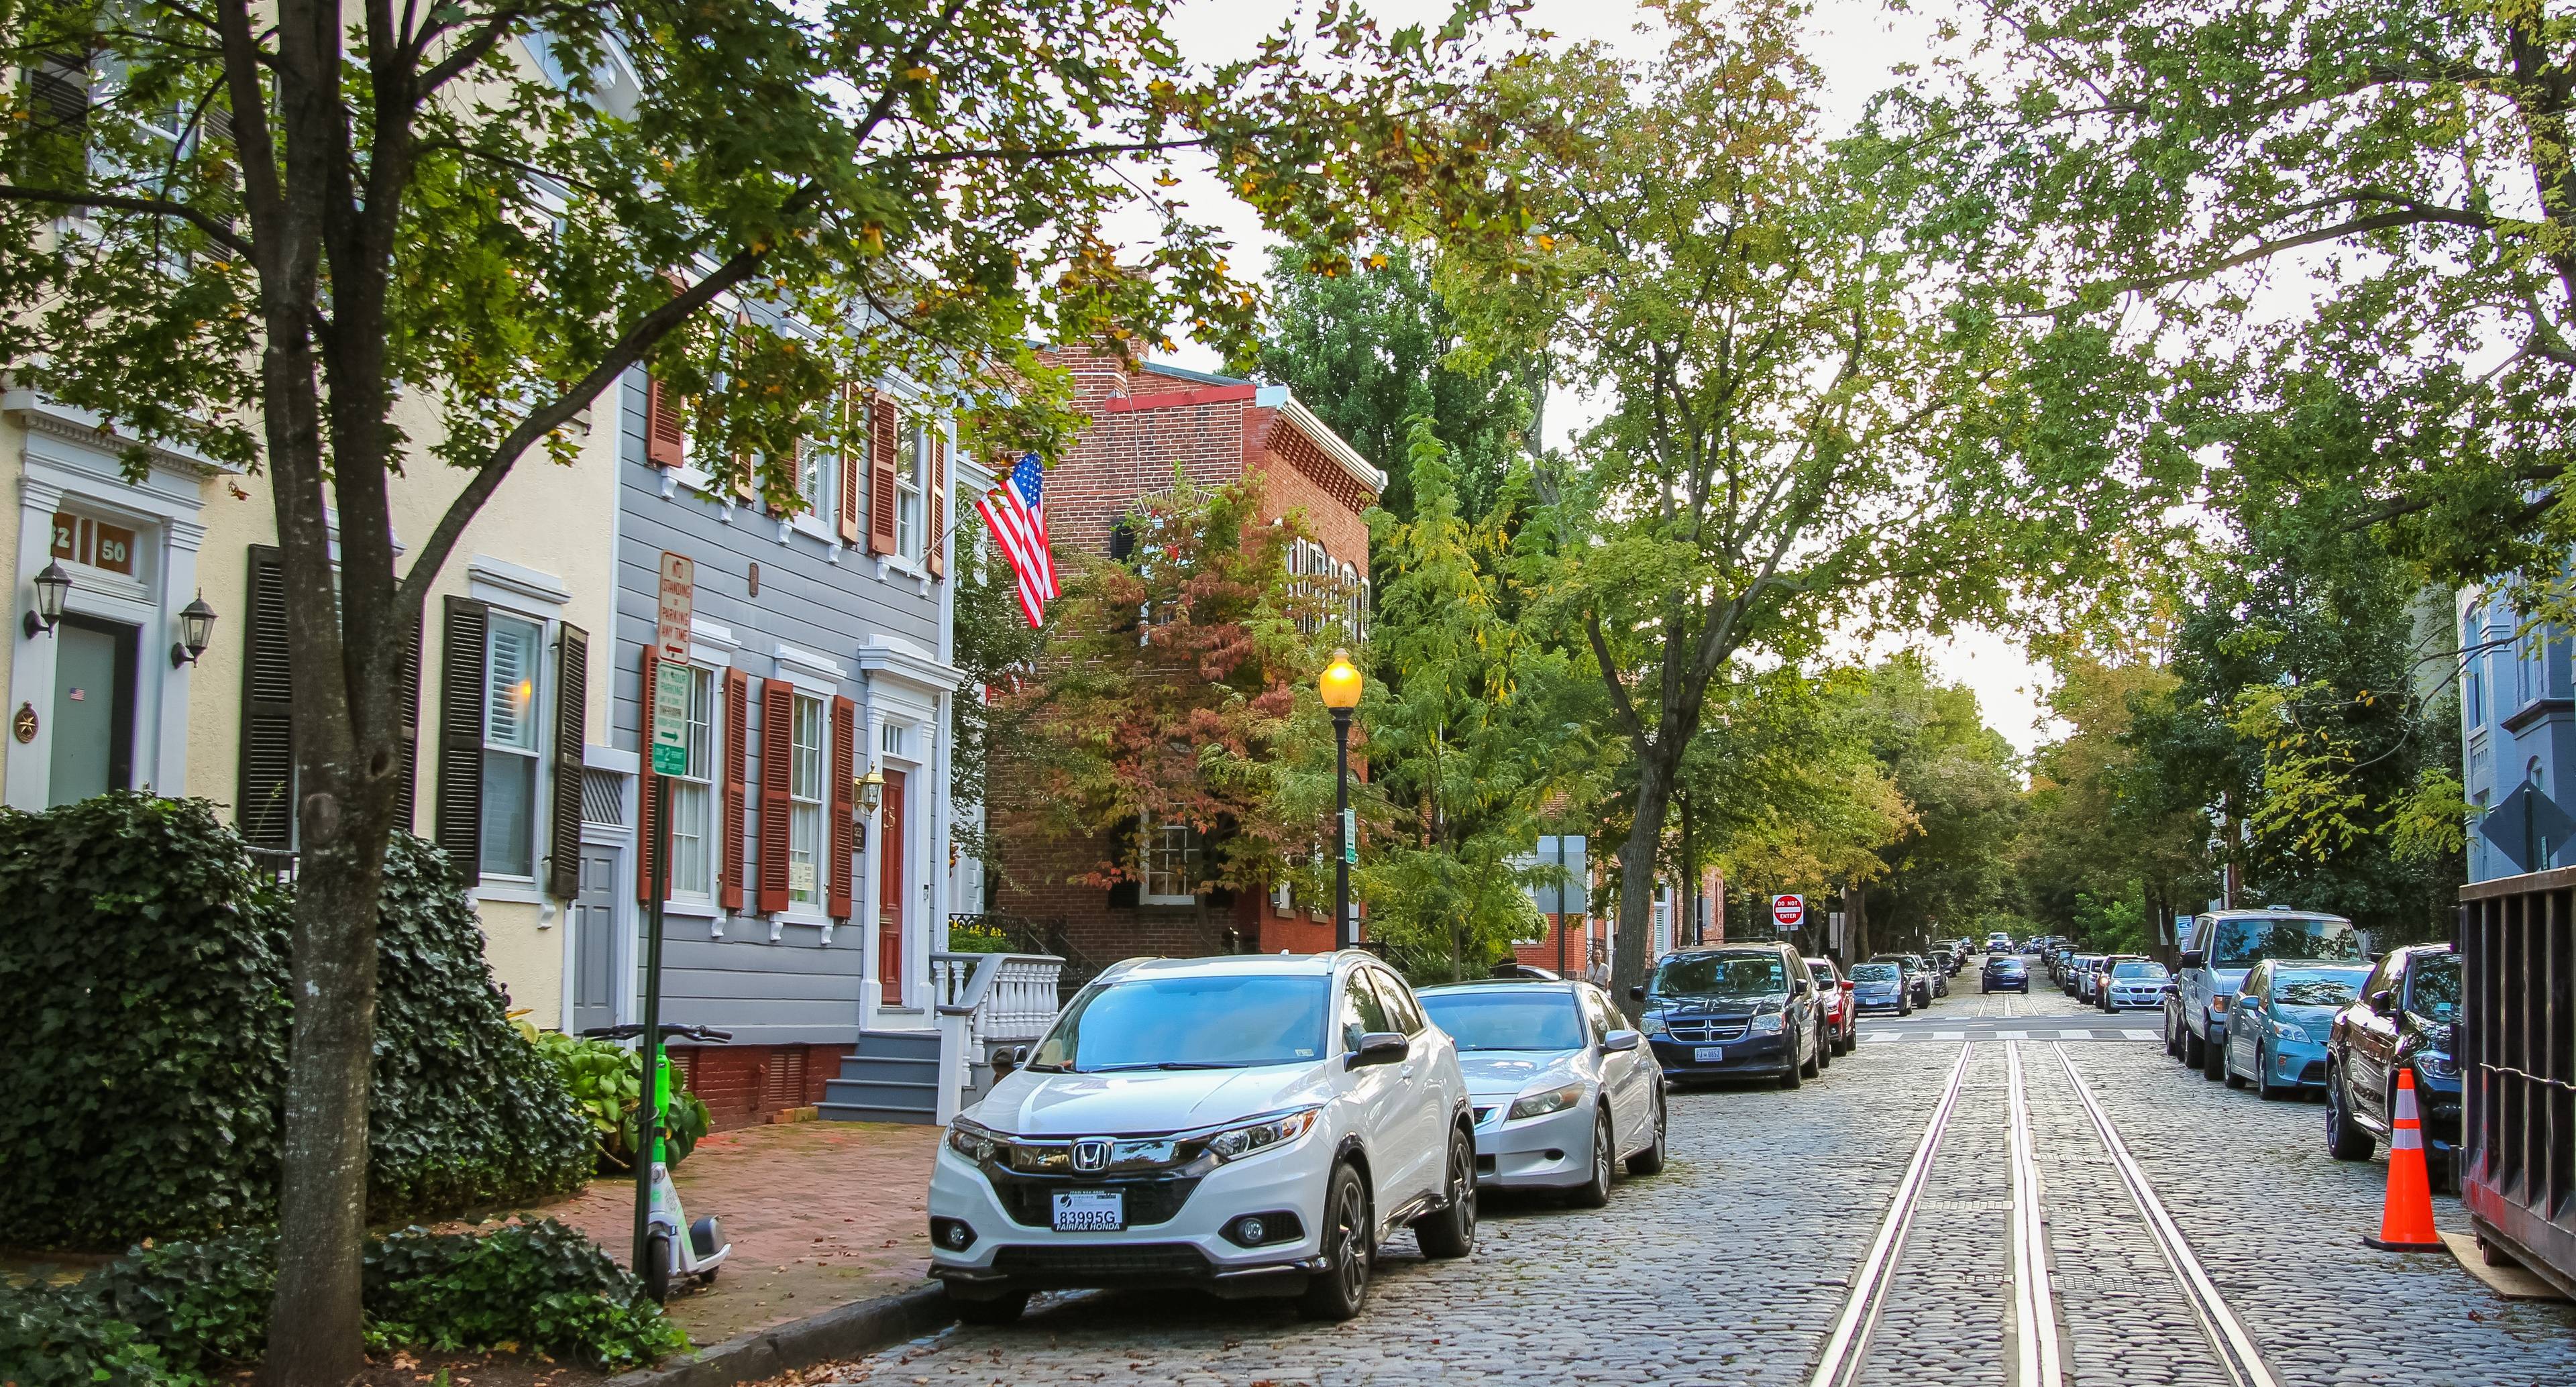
<point x="745" y="1085"/>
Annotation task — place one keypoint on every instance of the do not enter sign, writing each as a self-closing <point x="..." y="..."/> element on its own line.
<point x="1788" y="911"/>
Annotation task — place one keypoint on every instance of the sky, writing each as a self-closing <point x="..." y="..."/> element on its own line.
<point x="1858" y="43"/>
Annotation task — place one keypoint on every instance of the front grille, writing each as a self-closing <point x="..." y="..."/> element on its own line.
<point x="1156" y="1261"/>
<point x="1031" y="1204"/>
<point x="2314" y="1073"/>
<point x="1705" y="1028"/>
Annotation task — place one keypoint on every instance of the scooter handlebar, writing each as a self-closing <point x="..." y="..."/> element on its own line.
<point x="630" y="1030"/>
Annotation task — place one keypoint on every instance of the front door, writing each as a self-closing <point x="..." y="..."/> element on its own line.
<point x="93" y="709"/>
<point x="890" y="841"/>
<point x="594" y="941"/>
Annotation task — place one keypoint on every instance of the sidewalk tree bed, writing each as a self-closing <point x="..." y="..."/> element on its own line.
<point x="148" y="959"/>
<point x="178" y="1314"/>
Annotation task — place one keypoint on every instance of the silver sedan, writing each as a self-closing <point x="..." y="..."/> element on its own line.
<point x="1563" y="1090"/>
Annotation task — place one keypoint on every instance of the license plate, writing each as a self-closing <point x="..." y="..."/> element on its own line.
<point x="1708" y="1054"/>
<point x="1090" y="1211"/>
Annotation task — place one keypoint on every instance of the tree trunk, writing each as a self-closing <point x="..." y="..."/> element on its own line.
<point x="1631" y="947"/>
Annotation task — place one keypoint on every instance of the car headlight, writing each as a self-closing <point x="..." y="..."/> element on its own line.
<point x="1235" y="1143"/>
<point x="1541" y="1104"/>
<point x="1654" y="1024"/>
<point x="2433" y="1064"/>
<point x="1768" y="1023"/>
<point x="974" y="1141"/>
<point x="2290" y="1030"/>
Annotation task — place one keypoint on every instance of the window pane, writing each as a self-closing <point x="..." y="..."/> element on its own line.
<point x="805" y="819"/>
<point x="805" y="775"/>
<point x="814" y="468"/>
<point x="509" y="814"/>
<point x="510" y="684"/>
<point x="907" y="492"/>
<point x="691" y="858"/>
<point x="804" y="853"/>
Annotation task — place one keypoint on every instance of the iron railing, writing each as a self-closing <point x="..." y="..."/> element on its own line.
<point x="2516" y="1047"/>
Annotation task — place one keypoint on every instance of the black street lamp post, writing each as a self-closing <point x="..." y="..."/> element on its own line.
<point x="1340" y="686"/>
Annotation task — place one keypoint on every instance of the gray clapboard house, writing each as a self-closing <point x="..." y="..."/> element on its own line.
<point x="800" y="918"/>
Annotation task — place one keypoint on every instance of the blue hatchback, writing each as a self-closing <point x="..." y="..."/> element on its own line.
<point x="2277" y="1026"/>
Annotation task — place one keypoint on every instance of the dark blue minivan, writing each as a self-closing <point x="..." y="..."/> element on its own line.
<point x="1734" y="1011"/>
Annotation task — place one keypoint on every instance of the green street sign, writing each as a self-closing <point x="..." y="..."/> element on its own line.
<point x="671" y="719"/>
<point x="1351" y="836"/>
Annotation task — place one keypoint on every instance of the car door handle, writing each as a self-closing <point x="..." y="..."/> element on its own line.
<point x="1405" y="1073"/>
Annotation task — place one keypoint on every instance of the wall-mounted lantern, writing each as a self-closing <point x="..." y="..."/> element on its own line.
<point x="52" y="586"/>
<point x="196" y="628"/>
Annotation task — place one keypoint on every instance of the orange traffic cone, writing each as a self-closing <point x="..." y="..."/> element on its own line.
<point x="2406" y="1225"/>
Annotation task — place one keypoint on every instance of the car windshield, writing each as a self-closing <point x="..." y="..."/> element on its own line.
<point x="2006" y="965"/>
<point x="1823" y="969"/>
<point x="2244" y="943"/>
<point x="1221" y="1021"/>
<point x="1722" y="975"/>
<point x="2318" y="987"/>
<point x="2433" y="989"/>
<point x="2138" y="968"/>
<point x="1519" y="1019"/>
<point x="1874" y="972"/>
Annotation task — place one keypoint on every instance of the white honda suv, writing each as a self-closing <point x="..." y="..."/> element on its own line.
<point x="1251" y="1126"/>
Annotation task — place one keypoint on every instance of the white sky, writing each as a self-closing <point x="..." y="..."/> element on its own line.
<point x="1856" y="42"/>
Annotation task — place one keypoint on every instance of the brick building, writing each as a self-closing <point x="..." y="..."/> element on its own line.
<point x="1148" y="419"/>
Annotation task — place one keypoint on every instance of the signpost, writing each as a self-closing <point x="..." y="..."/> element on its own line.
<point x="1788" y="912"/>
<point x="669" y="700"/>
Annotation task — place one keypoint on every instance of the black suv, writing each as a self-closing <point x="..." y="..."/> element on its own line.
<point x="1734" y="1011"/>
<point x="2404" y="1019"/>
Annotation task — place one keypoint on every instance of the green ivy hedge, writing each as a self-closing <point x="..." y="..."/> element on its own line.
<point x="147" y="963"/>
<point x="180" y="1314"/>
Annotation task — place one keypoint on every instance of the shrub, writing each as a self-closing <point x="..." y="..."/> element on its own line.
<point x="147" y="961"/>
<point x="178" y="1314"/>
<point x="606" y="1081"/>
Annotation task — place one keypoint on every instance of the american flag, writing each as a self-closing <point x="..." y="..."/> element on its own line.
<point x="1017" y="512"/>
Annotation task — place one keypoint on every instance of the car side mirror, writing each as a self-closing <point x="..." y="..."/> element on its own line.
<point x="1380" y="1047"/>
<point x="1802" y="989"/>
<point x="2192" y="958"/>
<point x="1617" y="1041"/>
<point x="2384" y="1000"/>
<point x="1637" y="993"/>
<point x="1008" y="1060"/>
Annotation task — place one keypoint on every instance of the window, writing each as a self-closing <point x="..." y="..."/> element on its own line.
<point x="510" y="661"/>
<point x="1171" y="865"/>
<point x="805" y="800"/>
<point x="816" y="466"/>
<point x="1363" y="1012"/>
<point x="693" y="800"/>
<point x="890" y="739"/>
<point x="910" y="464"/>
<point x="1400" y="1006"/>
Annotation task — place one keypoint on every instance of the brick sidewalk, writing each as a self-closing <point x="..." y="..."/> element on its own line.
<point x="819" y="1214"/>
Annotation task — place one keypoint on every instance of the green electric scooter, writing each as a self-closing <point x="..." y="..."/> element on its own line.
<point x="671" y="1260"/>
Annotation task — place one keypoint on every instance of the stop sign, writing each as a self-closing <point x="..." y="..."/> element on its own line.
<point x="1788" y="911"/>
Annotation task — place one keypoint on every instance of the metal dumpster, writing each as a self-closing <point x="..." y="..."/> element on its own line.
<point x="2516" y="1046"/>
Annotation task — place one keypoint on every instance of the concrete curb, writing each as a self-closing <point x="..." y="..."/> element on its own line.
<point x="847" y="1331"/>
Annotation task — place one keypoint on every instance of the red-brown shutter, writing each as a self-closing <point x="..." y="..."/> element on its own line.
<point x="777" y="749"/>
<point x="845" y="840"/>
<point x="854" y="442"/>
<point x="934" y="544"/>
<point x="666" y="434"/>
<point x="885" y="435"/>
<point x="647" y="835"/>
<point x="737" y="785"/>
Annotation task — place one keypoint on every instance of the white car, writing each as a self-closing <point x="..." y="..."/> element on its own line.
<point x="1250" y="1125"/>
<point x="1564" y="1089"/>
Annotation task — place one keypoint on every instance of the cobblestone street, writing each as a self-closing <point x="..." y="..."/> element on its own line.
<point x="1733" y="1265"/>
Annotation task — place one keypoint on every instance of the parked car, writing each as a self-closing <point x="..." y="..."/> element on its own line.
<point x="1530" y="971"/>
<point x="2007" y="974"/>
<point x="2132" y="984"/>
<point x="1734" y="1011"/>
<point x="2216" y="954"/>
<point x="1918" y="977"/>
<point x="1271" y="1120"/>
<point x="1999" y="943"/>
<point x="2406" y="1017"/>
<point x="1842" y="1017"/>
<point x="1880" y="985"/>
<point x="2277" y="1026"/>
<point x="2076" y="968"/>
<point x="1563" y="1089"/>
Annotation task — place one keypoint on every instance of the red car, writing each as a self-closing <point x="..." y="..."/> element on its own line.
<point x="1842" y="1019"/>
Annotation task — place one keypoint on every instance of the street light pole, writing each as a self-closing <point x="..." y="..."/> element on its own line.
<point x="1340" y="686"/>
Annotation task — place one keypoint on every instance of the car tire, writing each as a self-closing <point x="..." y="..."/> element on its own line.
<point x="1341" y="1288"/>
<point x="1824" y="1046"/>
<point x="1001" y="1309"/>
<point x="2173" y="1037"/>
<point x="1451" y="1232"/>
<point x="2263" y="1085"/>
<point x="2345" y="1139"/>
<point x="2227" y="1071"/>
<point x="1789" y="1075"/>
<point x="2194" y="1049"/>
<point x="1651" y="1160"/>
<point x="1905" y="1006"/>
<point x="1595" y="1192"/>
<point x="2213" y="1059"/>
<point x="1815" y="1065"/>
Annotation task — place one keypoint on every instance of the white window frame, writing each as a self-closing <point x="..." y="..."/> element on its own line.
<point x="1171" y="852"/>
<point x="807" y="833"/>
<point x="699" y="820"/>
<point x="911" y="503"/>
<point x="534" y="753"/>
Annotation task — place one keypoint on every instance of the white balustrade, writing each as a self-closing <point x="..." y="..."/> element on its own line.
<point x="983" y="1001"/>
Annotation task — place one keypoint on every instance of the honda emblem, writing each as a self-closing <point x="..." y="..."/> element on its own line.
<point x="1091" y="1153"/>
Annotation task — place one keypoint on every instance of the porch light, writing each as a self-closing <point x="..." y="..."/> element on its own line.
<point x="871" y="789"/>
<point x="52" y="586"/>
<point x="196" y="628"/>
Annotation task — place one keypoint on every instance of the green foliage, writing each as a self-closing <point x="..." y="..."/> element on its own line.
<point x="2104" y="821"/>
<point x="606" y="1081"/>
<point x="150" y="963"/>
<point x="1963" y="784"/>
<point x="1783" y="791"/>
<point x="183" y="1314"/>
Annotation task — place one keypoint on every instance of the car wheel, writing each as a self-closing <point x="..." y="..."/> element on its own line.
<point x="1789" y="1075"/>
<point x="2213" y="1059"/>
<point x="2173" y="1038"/>
<point x="2227" y="1070"/>
<point x="2194" y="1049"/>
<point x="2345" y="1140"/>
<point x="2263" y="1085"/>
<point x="1595" y="1192"/>
<point x="1452" y="1231"/>
<point x="1824" y="1045"/>
<point x="1000" y="1309"/>
<point x="1815" y="1064"/>
<point x="1651" y="1160"/>
<point x="1341" y="1288"/>
<point x="1905" y="1007"/>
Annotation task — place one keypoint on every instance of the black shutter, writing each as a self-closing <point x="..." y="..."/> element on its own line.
<point x="459" y="826"/>
<point x="407" y="794"/>
<point x="264" y="793"/>
<point x="572" y="711"/>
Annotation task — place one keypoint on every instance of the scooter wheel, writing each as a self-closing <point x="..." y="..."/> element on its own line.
<point x="660" y="1265"/>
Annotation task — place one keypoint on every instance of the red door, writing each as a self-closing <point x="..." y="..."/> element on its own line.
<point x="890" y="841"/>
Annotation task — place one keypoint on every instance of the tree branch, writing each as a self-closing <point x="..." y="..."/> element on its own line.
<point x="149" y="206"/>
